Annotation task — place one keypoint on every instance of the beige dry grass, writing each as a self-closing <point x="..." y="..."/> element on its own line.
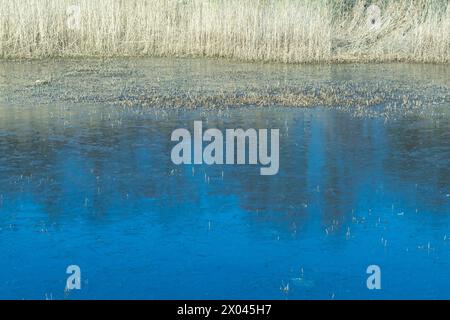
<point x="294" y="31"/>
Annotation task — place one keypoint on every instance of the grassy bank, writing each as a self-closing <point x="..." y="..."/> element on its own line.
<point x="251" y="30"/>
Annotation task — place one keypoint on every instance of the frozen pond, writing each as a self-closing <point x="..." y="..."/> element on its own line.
<point x="86" y="179"/>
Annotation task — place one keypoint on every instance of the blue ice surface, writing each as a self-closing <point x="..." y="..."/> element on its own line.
<point x="351" y="192"/>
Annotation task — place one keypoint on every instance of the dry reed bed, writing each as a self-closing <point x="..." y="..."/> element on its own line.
<point x="265" y="30"/>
